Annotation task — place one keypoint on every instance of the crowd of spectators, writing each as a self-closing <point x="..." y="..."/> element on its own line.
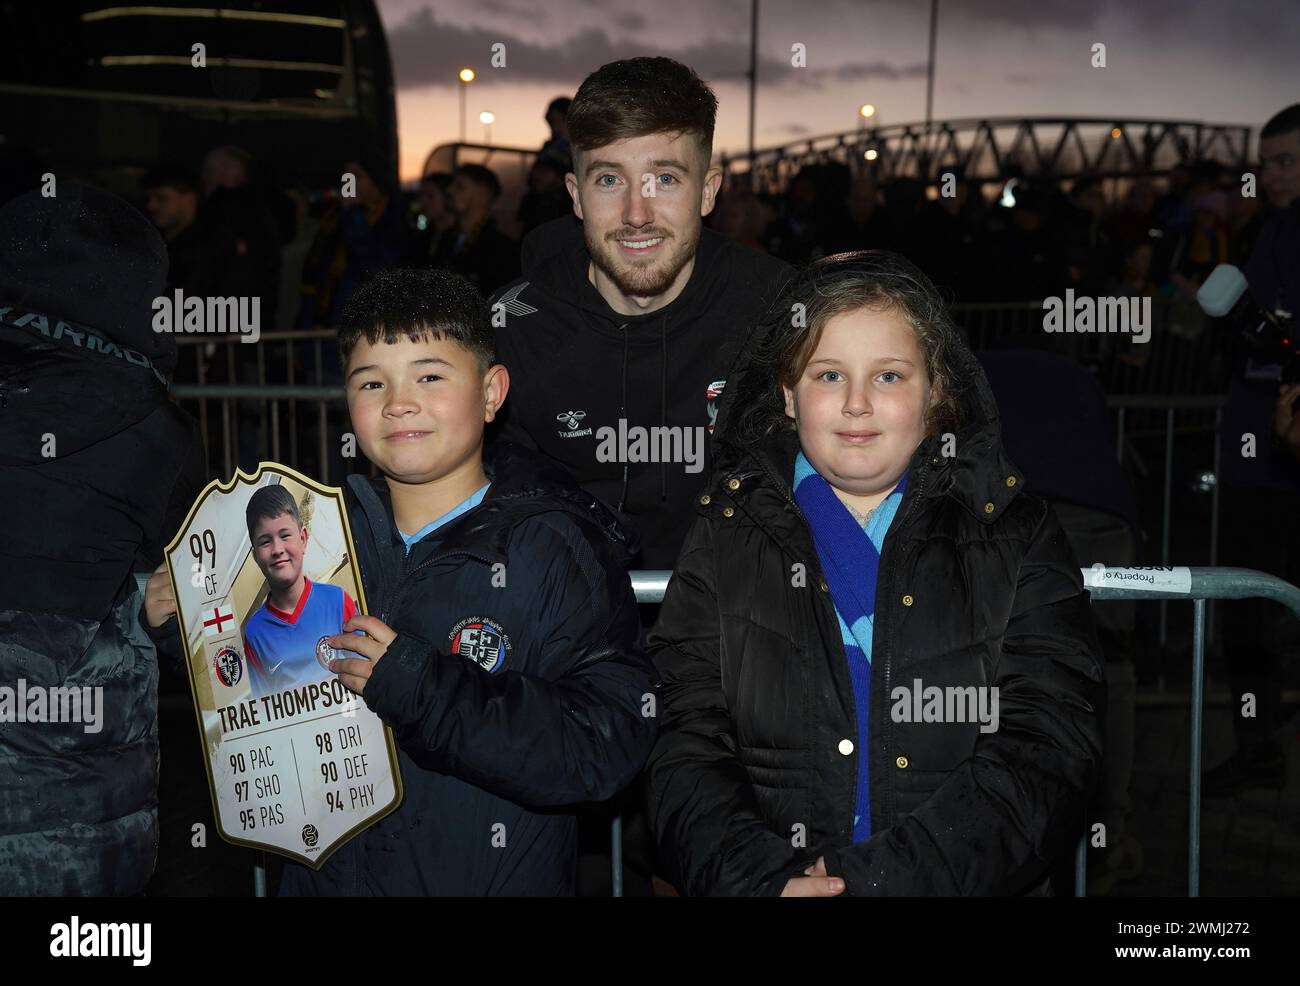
<point x="304" y="253"/>
<point x="1022" y="240"/>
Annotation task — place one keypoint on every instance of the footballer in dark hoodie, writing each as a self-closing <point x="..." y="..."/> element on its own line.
<point x="578" y="367"/>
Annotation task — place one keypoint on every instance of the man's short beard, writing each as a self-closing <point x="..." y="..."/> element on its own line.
<point x="639" y="282"/>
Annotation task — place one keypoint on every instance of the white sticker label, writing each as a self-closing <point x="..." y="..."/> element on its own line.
<point x="1150" y="579"/>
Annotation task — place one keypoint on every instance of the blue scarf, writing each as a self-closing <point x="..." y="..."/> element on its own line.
<point x="850" y="558"/>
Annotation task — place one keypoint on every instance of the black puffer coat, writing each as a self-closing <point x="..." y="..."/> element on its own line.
<point x="97" y="471"/>
<point x="754" y="772"/>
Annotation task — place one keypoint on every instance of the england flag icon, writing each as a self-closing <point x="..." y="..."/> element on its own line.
<point x="219" y="620"/>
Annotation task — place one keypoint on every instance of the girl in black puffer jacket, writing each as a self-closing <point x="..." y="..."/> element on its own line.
<point x="880" y="671"/>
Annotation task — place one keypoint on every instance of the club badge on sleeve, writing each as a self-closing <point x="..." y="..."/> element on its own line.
<point x="481" y="640"/>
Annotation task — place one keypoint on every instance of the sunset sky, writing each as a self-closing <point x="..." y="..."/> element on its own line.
<point x="1168" y="59"/>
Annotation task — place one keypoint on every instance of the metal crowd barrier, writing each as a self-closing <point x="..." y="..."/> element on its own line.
<point x="277" y="438"/>
<point x="1205" y="584"/>
<point x="260" y="406"/>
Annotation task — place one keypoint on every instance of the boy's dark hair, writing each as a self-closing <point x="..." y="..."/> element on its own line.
<point x="268" y="503"/>
<point x="1282" y="122"/>
<point x="171" y="177"/>
<point x="835" y="285"/>
<point x="481" y="176"/>
<point x="417" y="305"/>
<point x="640" y="96"/>
<point x="440" y="178"/>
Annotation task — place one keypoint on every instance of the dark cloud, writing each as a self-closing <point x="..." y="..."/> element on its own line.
<point x="427" y="51"/>
<point x="1267" y="28"/>
<point x="1262" y="25"/>
<point x="505" y="9"/>
<point x="630" y="21"/>
<point x="877" y="70"/>
<point x="1029" y="13"/>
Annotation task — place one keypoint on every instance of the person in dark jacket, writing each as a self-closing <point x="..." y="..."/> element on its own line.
<point x="505" y="652"/>
<point x="97" y="471"/>
<point x="1260" y="487"/>
<point x="434" y="223"/>
<point x="624" y="325"/>
<point x="475" y="248"/>
<point x="360" y="233"/>
<point x="620" y="335"/>
<point x="879" y="666"/>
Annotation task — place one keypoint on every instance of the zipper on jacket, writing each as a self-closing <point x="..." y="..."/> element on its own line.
<point x="891" y="794"/>
<point x="408" y="572"/>
<point x="781" y="486"/>
<point x="834" y="623"/>
<point x="922" y="475"/>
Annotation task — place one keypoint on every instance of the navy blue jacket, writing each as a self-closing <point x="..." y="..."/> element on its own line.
<point x="494" y="741"/>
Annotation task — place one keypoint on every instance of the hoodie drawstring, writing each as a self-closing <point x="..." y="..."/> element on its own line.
<point x="622" y="411"/>
<point x="663" y="401"/>
<point x="663" y="404"/>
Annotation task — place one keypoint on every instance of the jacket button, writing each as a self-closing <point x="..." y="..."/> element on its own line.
<point x="1011" y="480"/>
<point x="733" y="484"/>
<point x="902" y="763"/>
<point x="908" y="600"/>
<point x="705" y="500"/>
<point x="846" y="746"/>
<point x="988" y="508"/>
<point x="823" y="586"/>
<point x="728" y="511"/>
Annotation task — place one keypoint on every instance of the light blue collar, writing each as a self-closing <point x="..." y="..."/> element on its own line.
<point x="465" y="506"/>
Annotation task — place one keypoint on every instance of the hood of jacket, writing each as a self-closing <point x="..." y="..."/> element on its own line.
<point x="67" y="380"/>
<point x="523" y="485"/>
<point x="977" y="473"/>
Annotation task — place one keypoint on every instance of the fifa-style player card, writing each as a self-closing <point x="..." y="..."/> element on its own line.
<point x="264" y="570"/>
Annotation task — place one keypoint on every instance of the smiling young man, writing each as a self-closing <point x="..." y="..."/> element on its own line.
<point x="620" y="334"/>
<point x="505" y="652"/>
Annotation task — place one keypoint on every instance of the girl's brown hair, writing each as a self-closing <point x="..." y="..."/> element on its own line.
<point x="846" y="282"/>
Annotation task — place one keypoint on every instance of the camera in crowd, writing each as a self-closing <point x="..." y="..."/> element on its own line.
<point x="1270" y="336"/>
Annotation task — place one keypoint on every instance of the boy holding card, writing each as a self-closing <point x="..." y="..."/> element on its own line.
<point x="505" y="654"/>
